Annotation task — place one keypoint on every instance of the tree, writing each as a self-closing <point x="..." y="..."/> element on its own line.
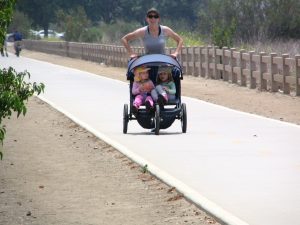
<point x="283" y="18"/>
<point x="42" y="12"/>
<point x="105" y="10"/>
<point x="6" y="12"/>
<point x="75" y="23"/>
<point x="21" y="23"/>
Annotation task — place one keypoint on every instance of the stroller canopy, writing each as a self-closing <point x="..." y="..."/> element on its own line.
<point x="153" y="60"/>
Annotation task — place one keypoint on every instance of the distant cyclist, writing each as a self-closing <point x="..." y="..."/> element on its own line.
<point x="17" y="42"/>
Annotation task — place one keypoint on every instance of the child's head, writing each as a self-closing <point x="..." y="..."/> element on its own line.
<point x="164" y="74"/>
<point x="141" y="73"/>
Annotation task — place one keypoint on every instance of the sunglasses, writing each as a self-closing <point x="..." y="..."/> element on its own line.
<point x="153" y="16"/>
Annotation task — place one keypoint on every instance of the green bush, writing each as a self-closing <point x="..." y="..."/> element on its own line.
<point x="14" y="91"/>
<point x="189" y="39"/>
<point x="112" y="33"/>
<point x="223" y="35"/>
<point x="91" y="35"/>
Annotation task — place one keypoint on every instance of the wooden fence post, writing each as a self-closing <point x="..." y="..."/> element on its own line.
<point x="251" y="69"/>
<point x="197" y="61"/>
<point x="217" y="60"/>
<point x="214" y="61"/>
<point x="67" y="49"/>
<point x="192" y="63"/>
<point x="262" y="69"/>
<point x="201" y="61"/>
<point x="225" y="62"/>
<point x="184" y="60"/>
<point x="243" y="78"/>
<point x="207" y="62"/>
<point x="273" y="71"/>
<point x="297" y="65"/>
<point x="285" y="73"/>
<point x="233" y="63"/>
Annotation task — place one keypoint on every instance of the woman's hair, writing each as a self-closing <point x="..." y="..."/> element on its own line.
<point x="152" y="10"/>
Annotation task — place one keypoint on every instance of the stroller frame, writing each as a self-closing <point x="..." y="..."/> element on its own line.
<point x="159" y="118"/>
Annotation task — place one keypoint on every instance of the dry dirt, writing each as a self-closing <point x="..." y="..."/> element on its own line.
<point x="55" y="172"/>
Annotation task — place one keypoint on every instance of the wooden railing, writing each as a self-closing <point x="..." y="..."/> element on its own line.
<point x="254" y="70"/>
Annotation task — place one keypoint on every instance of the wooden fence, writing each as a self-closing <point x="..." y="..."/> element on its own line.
<point x="254" y="70"/>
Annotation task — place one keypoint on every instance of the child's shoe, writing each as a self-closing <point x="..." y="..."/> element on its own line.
<point x="134" y="109"/>
<point x="148" y="106"/>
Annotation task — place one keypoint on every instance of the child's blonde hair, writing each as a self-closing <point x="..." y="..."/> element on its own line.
<point x="137" y="72"/>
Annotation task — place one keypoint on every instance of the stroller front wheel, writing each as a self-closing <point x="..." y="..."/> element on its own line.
<point x="125" y="118"/>
<point x="183" y="118"/>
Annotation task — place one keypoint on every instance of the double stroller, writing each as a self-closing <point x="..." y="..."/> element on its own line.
<point x="159" y="118"/>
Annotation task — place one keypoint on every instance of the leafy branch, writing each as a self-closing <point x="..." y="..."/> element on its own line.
<point x="14" y="92"/>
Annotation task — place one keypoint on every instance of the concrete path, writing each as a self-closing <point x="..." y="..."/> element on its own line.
<point x="243" y="168"/>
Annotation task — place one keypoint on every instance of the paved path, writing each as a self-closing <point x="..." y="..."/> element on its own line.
<point x="243" y="168"/>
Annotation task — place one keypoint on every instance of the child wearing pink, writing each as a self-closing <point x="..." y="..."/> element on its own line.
<point x="141" y="89"/>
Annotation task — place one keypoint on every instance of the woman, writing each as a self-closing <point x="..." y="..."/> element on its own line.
<point x="153" y="36"/>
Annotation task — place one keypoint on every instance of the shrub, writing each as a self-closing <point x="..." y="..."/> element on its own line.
<point x="223" y="35"/>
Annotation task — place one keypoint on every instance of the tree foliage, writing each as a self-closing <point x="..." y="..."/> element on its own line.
<point x="6" y="12"/>
<point x="253" y="19"/>
<point x="40" y="11"/>
<point x="21" y="23"/>
<point x="75" y="23"/>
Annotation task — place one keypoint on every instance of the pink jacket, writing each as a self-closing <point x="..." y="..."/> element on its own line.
<point x="142" y="87"/>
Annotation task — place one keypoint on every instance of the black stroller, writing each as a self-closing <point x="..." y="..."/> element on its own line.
<point x="159" y="118"/>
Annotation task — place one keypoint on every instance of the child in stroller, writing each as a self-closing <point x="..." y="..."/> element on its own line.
<point x="141" y="89"/>
<point x="165" y="89"/>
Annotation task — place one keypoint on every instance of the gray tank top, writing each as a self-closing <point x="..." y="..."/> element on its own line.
<point x="154" y="45"/>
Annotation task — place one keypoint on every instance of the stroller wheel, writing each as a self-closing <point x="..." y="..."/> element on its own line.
<point x="183" y="118"/>
<point x="125" y="118"/>
<point x="157" y="119"/>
